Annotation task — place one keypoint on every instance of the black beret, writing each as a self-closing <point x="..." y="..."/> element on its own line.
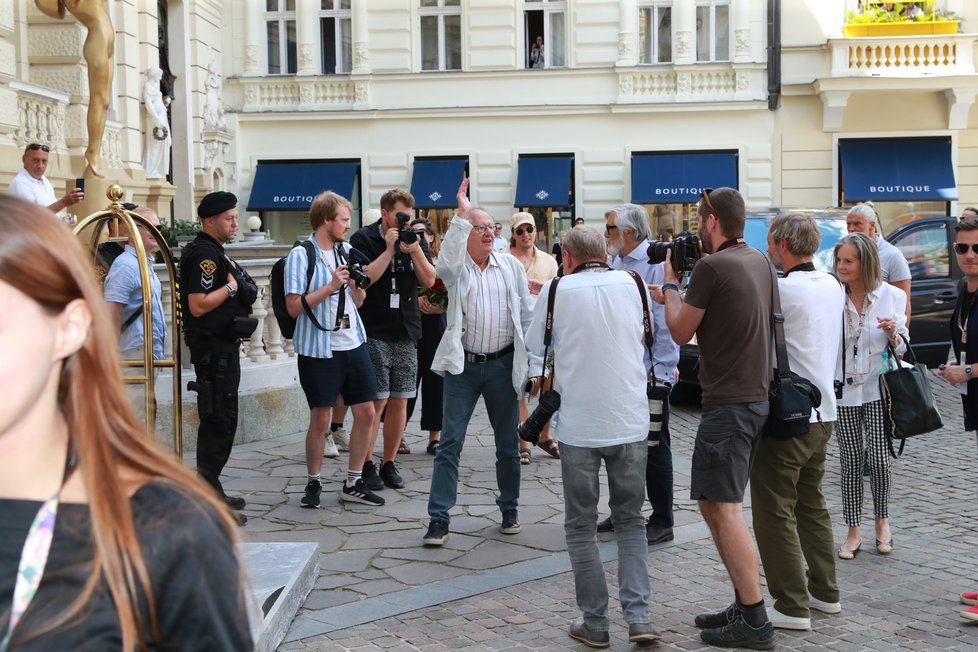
<point x="216" y="203"/>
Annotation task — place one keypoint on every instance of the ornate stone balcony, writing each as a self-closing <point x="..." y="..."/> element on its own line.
<point x="903" y="56"/>
<point x="290" y="93"/>
<point x="42" y="115"/>
<point x="691" y="83"/>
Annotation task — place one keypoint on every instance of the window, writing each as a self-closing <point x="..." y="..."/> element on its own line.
<point x="655" y="32"/>
<point x="441" y="34"/>
<point x="280" y="34"/>
<point x="336" y="36"/>
<point x="545" y="27"/>
<point x="713" y="30"/>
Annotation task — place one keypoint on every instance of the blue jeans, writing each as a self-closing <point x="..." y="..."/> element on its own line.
<point x="625" y="464"/>
<point x="493" y="382"/>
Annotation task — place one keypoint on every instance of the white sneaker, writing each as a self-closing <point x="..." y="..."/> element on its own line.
<point x="331" y="450"/>
<point x="342" y="438"/>
<point x="824" y="607"/>
<point x="781" y="621"/>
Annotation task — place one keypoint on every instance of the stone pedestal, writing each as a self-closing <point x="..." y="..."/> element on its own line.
<point x="95" y="194"/>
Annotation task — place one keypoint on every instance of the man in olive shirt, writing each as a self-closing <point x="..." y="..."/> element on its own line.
<point x="728" y="308"/>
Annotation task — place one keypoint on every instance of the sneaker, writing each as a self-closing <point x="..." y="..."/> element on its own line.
<point x="825" y="607"/>
<point x="740" y="634"/>
<point x="311" y="497"/>
<point x="971" y="613"/>
<point x="370" y="477"/>
<point x="341" y="438"/>
<point x="359" y="493"/>
<point x="331" y="450"/>
<point x="437" y="532"/>
<point x="783" y="621"/>
<point x="969" y="597"/>
<point x="511" y="522"/>
<point x="642" y="633"/>
<point x="712" y="621"/>
<point x="389" y="475"/>
<point x="581" y="632"/>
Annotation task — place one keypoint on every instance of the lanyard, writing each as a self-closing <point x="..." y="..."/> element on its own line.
<point x="966" y="308"/>
<point x="34" y="555"/>
<point x="732" y="242"/>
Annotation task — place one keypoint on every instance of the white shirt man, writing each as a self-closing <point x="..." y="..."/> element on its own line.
<point x="31" y="184"/>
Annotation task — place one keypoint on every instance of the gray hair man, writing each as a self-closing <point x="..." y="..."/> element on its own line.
<point x="628" y="238"/>
<point x="603" y="417"/>
<point x="786" y="480"/>
<point x="863" y="218"/>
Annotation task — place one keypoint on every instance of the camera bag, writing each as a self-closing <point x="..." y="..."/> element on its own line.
<point x="791" y="397"/>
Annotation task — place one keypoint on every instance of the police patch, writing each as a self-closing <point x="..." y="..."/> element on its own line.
<point x="208" y="266"/>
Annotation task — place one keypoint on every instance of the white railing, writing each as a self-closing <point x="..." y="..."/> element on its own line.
<point x="903" y="56"/>
<point x="290" y="93"/>
<point x="41" y="116"/>
<point x="699" y="82"/>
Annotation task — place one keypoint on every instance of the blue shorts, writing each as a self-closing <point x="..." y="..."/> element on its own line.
<point x="726" y="443"/>
<point x="347" y="373"/>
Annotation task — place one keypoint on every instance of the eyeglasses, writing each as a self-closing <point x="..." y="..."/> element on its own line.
<point x="521" y="230"/>
<point x="962" y="247"/>
<point x="482" y="228"/>
<point x="36" y="146"/>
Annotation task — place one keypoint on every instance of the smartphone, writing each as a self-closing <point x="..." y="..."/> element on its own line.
<point x="80" y="183"/>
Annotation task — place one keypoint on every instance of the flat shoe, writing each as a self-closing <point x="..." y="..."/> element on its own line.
<point x="550" y="447"/>
<point x="432" y="447"/>
<point x="403" y="449"/>
<point x="884" y="547"/>
<point x="849" y="554"/>
<point x="525" y="457"/>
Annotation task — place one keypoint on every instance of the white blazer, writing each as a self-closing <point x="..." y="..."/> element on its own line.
<point x="453" y="269"/>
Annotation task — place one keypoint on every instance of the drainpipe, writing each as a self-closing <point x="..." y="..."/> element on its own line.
<point x="773" y="54"/>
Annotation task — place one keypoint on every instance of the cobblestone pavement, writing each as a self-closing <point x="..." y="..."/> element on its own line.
<point x="379" y="589"/>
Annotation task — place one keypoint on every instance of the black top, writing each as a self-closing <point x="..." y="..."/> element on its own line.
<point x="189" y="557"/>
<point x="381" y="321"/>
<point x="204" y="268"/>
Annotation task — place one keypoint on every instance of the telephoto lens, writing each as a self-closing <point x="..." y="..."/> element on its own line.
<point x="530" y="429"/>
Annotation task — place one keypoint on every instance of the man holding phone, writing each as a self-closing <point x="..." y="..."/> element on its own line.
<point x="31" y="184"/>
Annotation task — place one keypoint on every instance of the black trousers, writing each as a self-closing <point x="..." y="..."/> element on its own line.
<point x="218" y="375"/>
<point x="432" y="328"/>
<point x="659" y="474"/>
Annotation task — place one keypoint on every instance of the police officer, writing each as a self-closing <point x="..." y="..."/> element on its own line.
<point x="216" y="299"/>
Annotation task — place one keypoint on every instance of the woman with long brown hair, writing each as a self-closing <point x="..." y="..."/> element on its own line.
<point x="106" y="542"/>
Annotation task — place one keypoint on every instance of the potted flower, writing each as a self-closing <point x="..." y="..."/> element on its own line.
<point x="876" y="18"/>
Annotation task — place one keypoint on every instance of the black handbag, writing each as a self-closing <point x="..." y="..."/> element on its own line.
<point x="791" y="397"/>
<point x="908" y="402"/>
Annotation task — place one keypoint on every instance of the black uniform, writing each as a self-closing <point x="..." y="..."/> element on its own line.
<point x="214" y="343"/>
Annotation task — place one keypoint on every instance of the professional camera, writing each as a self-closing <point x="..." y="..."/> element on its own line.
<point x="685" y="249"/>
<point x="354" y="266"/>
<point x="530" y="429"/>
<point x="404" y="234"/>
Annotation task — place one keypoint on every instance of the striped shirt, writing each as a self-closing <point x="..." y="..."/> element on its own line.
<point x="309" y="340"/>
<point x="488" y="326"/>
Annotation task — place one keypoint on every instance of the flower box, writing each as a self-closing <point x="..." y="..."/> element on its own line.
<point x="908" y="28"/>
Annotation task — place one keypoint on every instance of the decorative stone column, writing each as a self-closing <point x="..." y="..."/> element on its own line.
<point x="361" y="54"/>
<point x="253" y="39"/>
<point x="307" y="35"/>
<point x="740" y="17"/>
<point x="628" y="33"/>
<point x="683" y="32"/>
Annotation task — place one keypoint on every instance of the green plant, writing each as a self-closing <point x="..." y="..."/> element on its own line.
<point x="899" y="12"/>
<point x="178" y="228"/>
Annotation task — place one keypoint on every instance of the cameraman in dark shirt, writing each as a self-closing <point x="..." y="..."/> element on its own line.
<point x="216" y="298"/>
<point x="399" y="264"/>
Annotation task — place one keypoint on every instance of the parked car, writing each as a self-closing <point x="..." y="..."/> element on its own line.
<point x="927" y="245"/>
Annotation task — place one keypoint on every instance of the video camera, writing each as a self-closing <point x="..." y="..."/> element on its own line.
<point x="685" y="249"/>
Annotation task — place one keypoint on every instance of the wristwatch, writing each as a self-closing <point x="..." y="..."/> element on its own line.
<point x="232" y="291"/>
<point x="967" y="371"/>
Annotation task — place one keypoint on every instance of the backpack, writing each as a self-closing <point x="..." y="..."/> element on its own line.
<point x="286" y="322"/>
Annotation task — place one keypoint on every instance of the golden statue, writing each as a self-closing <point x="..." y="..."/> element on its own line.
<point x="98" y="51"/>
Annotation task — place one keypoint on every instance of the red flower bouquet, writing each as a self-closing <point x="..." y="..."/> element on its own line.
<point x="437" y="293"/>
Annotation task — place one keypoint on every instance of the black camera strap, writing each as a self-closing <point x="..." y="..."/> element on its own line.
<point x="548" y="329"/>
<point x="777" y="328"/>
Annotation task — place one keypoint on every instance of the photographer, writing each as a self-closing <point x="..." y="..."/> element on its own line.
<point x="604" y="415"/>
<point x="399" y="263"/>
<point x="216" y="297"/>
<point x="728" y="308"/>
<point x="628" y="238"/>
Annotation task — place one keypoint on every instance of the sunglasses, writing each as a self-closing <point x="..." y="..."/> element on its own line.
<point x="609" y="227"/>
<point x="37" y="146"/>
<point x="963" y="247"/>
<point x="521" y="230"/>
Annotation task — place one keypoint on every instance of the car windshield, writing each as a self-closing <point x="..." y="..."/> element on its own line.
<point x="830" y="228"/>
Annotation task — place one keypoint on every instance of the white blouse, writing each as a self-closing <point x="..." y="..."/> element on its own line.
<point x="864" y="346"/>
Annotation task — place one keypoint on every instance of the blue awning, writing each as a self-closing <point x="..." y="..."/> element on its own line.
<point x="680" y="178"/>
<point x="292" y="185"/>
<point x="897" y="169"/>
<point x="544" y="181"/>
<point x="435" y="182"/>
